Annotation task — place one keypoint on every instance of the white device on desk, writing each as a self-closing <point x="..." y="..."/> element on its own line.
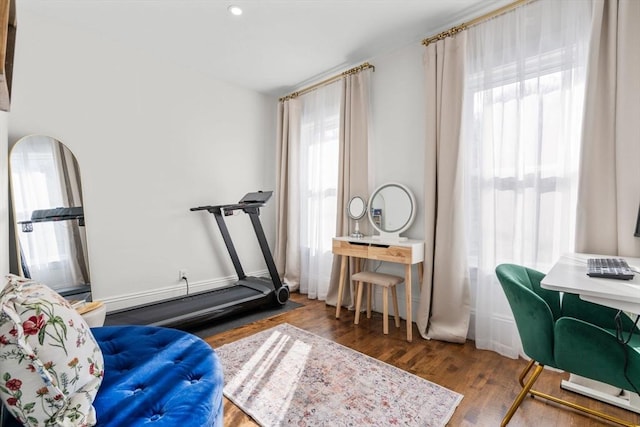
<point x="569" y="274"/>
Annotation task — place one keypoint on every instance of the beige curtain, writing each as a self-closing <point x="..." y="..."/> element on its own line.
<point x="287" y="245"/>
<point x="353" y="179"/>
<point x="444" y="307"/>
<point x="609" y="184"/>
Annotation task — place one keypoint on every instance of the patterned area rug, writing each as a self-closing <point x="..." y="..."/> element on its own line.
<point x="288" y="376"/>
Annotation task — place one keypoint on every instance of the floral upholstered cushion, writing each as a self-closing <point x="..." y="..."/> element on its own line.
<point x="50" y="364"/>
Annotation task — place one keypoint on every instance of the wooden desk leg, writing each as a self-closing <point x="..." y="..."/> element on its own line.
<point x="343" y="270"/>
<point x="407" y="285"/>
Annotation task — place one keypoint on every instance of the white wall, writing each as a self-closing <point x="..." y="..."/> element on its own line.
<point x="152" y="140"/>
<point x="398" y="138"/>
<point x="397" y="124"/>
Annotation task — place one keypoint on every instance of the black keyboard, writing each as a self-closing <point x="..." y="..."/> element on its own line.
<point x="610" y="268"/>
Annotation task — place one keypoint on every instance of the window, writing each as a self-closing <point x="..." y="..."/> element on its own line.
<point x="524" y="93"/>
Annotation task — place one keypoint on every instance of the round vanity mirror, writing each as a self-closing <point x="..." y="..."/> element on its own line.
<point x="356" y="209"/>
<point x="392" y="209"/>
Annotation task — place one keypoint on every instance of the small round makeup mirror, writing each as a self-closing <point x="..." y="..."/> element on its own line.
<point x="356" y="209"/>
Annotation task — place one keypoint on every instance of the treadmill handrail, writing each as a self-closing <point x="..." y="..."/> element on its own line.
<point x="253" y="210"/>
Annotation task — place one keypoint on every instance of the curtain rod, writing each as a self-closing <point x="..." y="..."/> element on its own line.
<point x="455" y="30"/>
<point x="350" y="71"/>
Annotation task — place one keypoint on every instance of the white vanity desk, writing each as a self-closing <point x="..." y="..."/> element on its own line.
<point x="407" y="252"/>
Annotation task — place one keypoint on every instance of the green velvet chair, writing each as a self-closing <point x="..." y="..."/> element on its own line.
<point x="567" y="333"/>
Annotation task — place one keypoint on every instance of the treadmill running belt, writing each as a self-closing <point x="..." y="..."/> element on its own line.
<point x="186" y="310"/>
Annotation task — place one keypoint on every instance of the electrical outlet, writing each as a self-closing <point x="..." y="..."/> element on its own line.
<point x="183" y="274"/>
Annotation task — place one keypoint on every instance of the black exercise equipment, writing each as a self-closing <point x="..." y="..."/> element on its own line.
<point x="246" y="294"/>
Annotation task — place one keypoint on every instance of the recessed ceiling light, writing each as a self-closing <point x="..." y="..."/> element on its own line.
<point x="235" y="10"/>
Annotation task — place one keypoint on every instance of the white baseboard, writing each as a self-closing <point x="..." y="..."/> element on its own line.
<point x="139" y="298"/>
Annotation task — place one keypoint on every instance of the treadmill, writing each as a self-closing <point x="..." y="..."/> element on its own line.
<point x="248" y="293"/>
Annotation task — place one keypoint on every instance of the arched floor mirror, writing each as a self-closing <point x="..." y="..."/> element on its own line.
<point x="46" y="197"/>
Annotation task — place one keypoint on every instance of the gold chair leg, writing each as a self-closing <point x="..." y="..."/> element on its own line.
<point x="526" y="389"/>
<point x="584" y="409"/>
<point x="525" y="372"/>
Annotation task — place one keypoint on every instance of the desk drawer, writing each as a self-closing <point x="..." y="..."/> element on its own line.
<point x="401" y="254"/>
<point x="350" y="249"/>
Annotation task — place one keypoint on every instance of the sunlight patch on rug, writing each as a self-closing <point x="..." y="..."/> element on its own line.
<point x="288" y="376"/>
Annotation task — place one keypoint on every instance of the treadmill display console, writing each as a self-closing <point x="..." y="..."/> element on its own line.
<point x="257" y="197"/>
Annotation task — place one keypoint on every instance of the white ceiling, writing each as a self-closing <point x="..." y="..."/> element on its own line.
<point x="276" y="46"/>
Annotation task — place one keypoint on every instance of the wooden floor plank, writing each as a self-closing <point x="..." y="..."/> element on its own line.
<point x="488" y="381"/>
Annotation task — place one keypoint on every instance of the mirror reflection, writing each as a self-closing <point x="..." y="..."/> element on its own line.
<point x="46" y="195"/>
<point x="392" y="209"/>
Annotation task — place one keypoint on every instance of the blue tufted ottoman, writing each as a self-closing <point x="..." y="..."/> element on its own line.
<point x="156" y="377"/>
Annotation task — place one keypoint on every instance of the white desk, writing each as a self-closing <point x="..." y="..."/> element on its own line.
<point x="407" y="252"/>
<point x="569" y="274"/>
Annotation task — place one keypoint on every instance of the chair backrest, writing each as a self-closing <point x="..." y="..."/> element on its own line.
<point x="535" y="310"/>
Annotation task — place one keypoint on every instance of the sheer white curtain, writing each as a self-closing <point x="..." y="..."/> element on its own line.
<point x="524" y="100"/>
<point x="318" y="177"/>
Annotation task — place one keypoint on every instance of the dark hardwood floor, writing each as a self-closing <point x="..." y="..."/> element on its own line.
<point x="487" y="380"/>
